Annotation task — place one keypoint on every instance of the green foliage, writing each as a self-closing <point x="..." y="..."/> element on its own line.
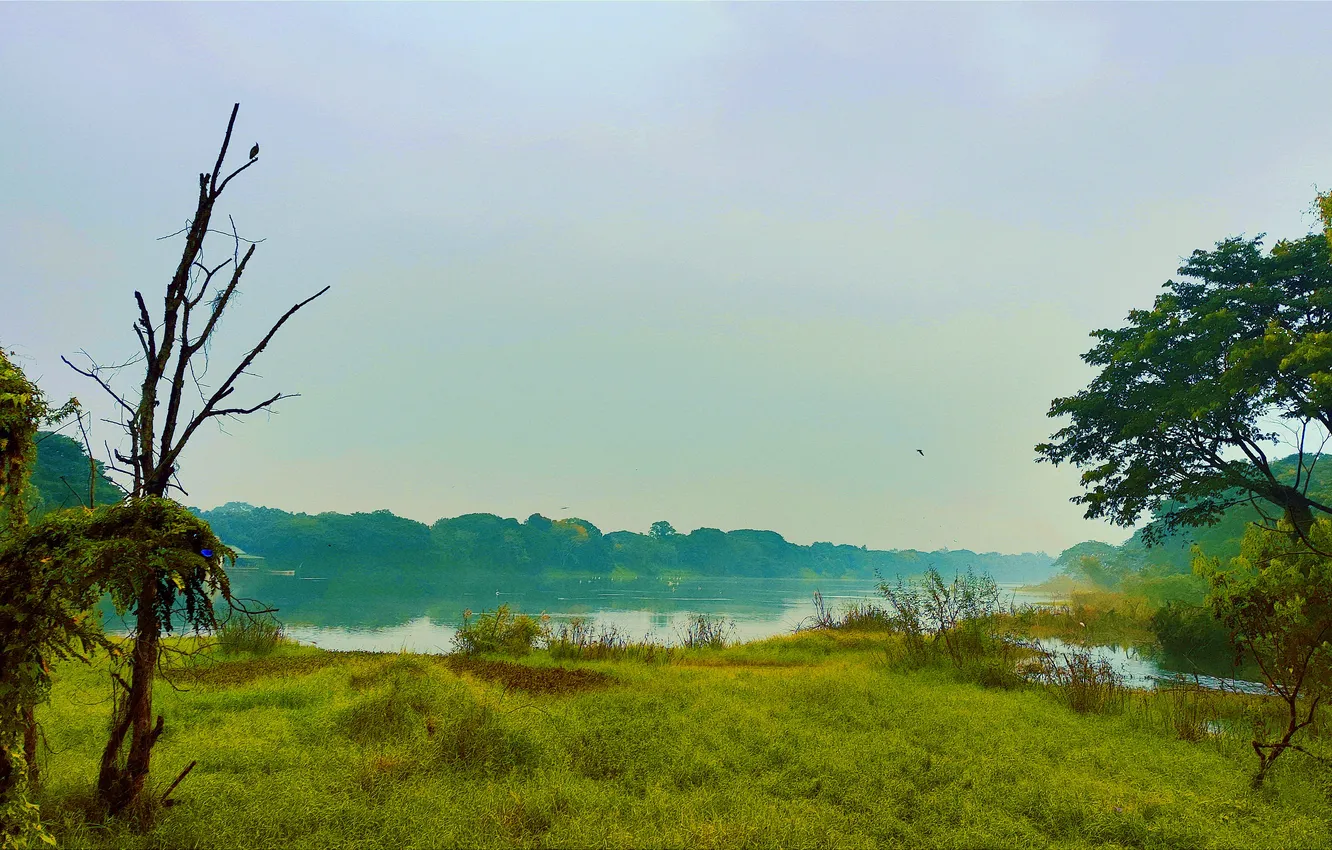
<point x="1276" y="599"/>
<point x="661" y="529"/>
<point x="42" y="611"/>
<point x="1188" y="630"/>
<point x="152" y="539"/>
<point x="54" y="571"/>
<point x="1243" y="337"/>
<point x="500" y="631"/>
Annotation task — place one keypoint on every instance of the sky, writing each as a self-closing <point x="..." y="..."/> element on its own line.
<point x="723" y="265"/>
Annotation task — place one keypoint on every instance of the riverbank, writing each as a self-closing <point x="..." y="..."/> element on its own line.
<point x="815" y="739"/>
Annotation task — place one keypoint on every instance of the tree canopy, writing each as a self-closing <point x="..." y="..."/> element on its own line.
<point x="1190" y="395"/>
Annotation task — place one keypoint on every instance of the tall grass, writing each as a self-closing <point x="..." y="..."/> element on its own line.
<point x="577" y="639"/>
<point x="1087" y="684"/>
<point x="702" y="631"/>
<point x="796" y="741"/>
<point x="255" y="634"/>
<point x="855" y="616"/>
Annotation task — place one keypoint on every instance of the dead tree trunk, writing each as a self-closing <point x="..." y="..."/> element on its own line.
<point x="158" y="429"/>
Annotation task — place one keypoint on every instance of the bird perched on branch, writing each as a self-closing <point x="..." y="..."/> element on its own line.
<point x="254" y="151"/>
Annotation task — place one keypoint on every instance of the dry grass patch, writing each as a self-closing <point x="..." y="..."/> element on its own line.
<point x="247" y="670"/>
<point x="535" y="680"/>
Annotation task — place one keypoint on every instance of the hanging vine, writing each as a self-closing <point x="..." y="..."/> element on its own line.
<point x="23" y="677"/>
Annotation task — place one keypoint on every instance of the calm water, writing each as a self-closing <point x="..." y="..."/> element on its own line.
<point x="654" y="611"/>
<point x="422" y="614"/>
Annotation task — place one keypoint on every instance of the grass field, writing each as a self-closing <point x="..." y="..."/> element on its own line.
<point x="810" y="740"/>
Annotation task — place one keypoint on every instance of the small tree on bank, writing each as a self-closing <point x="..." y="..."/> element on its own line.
<point x="1276" y="600"/>
<point x="175" y="347"/>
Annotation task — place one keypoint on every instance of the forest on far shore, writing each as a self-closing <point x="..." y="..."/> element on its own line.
<point x="489" y="543"/>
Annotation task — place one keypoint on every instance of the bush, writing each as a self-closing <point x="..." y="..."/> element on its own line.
<point x="858" y="616"/>
<point x="1187" y="630"/>
<point x="957" y="616"/>
<point x="862" y="616"/>
<point x="1275" y="599"/>
<point x="501" y="631"/>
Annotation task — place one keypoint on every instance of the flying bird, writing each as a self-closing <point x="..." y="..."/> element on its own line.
<point x="254" y="151"/>
<point x="919" y="452"/>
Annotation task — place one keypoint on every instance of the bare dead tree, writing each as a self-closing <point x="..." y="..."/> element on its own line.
<point x="174" y="353"/>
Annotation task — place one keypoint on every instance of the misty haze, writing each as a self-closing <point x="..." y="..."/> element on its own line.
<point x="665" y="425"/>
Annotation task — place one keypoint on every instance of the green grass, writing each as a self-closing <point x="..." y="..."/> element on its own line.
<point x="812" y="740"/>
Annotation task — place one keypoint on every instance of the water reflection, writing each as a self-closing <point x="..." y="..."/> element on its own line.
<point x="1141" y="671"/>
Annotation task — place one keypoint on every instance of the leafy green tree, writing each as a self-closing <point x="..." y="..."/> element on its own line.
<point x="1276" y="600"/>
<point x="159" y="423"/>
<point x="1245" y="336"/>
<point x="661" y="529"/>
<point x="27" y="636"/>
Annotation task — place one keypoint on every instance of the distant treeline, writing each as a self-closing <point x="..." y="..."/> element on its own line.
<point x="576" y="546"/>
<point x="1164" y="573"/>
<point x="488" y="543"/>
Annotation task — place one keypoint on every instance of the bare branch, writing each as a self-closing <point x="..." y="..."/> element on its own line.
<point x="72" y="491"/>
<point x="103" y="384"/>
<point x="226" y="141"/>
<point x="239" y="411"/>
<point x="227" y="388"/>
<point x="211" y="230"/>
<point x="219" y="189"/>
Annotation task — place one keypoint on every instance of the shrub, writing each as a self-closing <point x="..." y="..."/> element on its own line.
<point x="500" y="631"/>
<point x="863" y="616"/>
<point x="1275" y="599"/>
<point x="1184" y="630"/>
<point x="858" y="616"/>
<point x="957" y="616"/>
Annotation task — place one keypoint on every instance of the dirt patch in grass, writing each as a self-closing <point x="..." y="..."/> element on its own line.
<point x="537" y="680"/>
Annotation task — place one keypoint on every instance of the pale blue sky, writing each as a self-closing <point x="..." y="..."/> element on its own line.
<point x="725" y="265"/>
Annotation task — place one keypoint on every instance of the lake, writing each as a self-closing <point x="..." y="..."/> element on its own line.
<point x="345" y="610"/>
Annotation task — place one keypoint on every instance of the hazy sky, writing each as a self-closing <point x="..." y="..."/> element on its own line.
<point x="724" y="265"/>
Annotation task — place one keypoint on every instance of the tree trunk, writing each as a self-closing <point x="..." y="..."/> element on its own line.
<point x="118" y="787"/>
<point x="1298" y="514"/>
